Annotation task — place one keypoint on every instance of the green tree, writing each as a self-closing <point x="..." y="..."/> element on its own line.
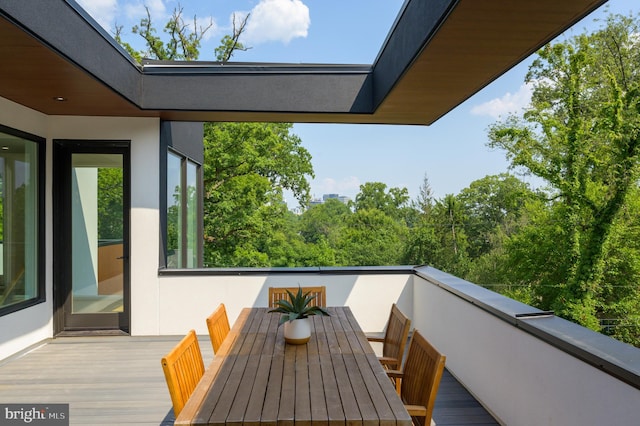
<point x="287" y="248"/>
<point x="451" y="252"/>
<point x="110" y="203"/>
<point x="184" y="39"/>
<point x="492" y="206"/>
<point x="370" y="238"/>
<point x="231" y="43"/>
<point x="374" y="195"/>
<point x="620" y="292"/>
<point x="246" y="169"/>
<point x="533" y="261"/>
<point x="422" y="242"/>
<point x="375" y="233"/>
<point x="324" y="222"/>
<point x="582" y="135"/>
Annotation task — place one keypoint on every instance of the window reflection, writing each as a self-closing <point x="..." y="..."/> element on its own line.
<point x="174" y="211"/>
<point x="183" y="212"/>
<point x="192" y="215"/>
<point x="18" y="220"/>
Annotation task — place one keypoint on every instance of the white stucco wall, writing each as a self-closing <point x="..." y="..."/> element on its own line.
<point x="29" y="326"/>
<point x="185" y="302"/>
<point x="144" y="134"/>
<point x="521" y="379"/>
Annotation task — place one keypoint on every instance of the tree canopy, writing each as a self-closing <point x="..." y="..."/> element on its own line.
<point x="572" y="246"/>
<point x="246" y="169"/>
<point x="582" y="135"/>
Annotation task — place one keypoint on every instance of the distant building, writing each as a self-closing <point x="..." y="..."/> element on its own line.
<point x="342" y="198"/>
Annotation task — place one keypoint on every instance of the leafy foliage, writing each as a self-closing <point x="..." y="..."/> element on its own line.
<point x="110" y="203"/>
<point x="582" y="135"/>
<point x="572" y="248"/>
<point x="231" y="43"/>
<point x="184" y="39"/>
<point x="246" y="169"/>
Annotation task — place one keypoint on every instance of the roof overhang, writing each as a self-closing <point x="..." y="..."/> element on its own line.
<point x="437" y="54"/>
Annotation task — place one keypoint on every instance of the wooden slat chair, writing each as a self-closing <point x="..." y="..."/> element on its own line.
<point x="218" y="326"/>
<point x="420" y="379"/>
<point x="280" y="293"/>
<point x="183" y="368"/>
<point x="394" y="340"/>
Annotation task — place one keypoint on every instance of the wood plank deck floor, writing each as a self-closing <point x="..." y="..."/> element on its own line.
<point x="117" y="380"/>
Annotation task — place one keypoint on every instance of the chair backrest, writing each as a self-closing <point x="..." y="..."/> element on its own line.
<point x="279" y="293"/>
<point x="395" y="337"/>
<point x="183" y="368"/>
<point x="218" y="326"/>
<point x="422" y="372"/>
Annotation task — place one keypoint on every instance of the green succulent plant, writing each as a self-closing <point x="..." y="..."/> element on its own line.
<point x="297" y="307"/>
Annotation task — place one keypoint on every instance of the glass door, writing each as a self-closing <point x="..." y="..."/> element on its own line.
<point x="93" y="220"/>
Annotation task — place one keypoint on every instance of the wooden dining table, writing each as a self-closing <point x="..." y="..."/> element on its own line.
<point x="257" y="379"/>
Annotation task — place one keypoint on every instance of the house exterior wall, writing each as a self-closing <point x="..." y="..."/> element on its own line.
<point x="144" y="134"/>
<point x="27" y="327"/>
<point x="172" y="303"/>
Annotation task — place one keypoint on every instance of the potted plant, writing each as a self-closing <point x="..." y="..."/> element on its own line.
<point x="296" y="310"/>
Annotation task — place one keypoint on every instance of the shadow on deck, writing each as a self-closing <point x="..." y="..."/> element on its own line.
<point x="111" y="380"/>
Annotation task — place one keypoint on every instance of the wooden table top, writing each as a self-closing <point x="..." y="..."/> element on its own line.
<point x="257" y="379"/>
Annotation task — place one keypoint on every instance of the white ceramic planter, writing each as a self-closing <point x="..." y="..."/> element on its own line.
<point x="297" y="332"/>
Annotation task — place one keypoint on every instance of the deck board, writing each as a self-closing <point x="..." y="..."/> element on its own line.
<point x="111" y="380"/>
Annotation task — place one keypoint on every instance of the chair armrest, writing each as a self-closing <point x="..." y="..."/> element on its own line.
<point x="375" y="337"/>
<point x="416" y="410"/>
<point x="386" y="361"/>
<point x="394" y="374"/>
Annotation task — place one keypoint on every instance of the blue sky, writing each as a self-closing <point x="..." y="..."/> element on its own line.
<point x="452" y="153"/>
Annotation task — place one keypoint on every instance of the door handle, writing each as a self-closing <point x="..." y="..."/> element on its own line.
<point x="122" y="257"/>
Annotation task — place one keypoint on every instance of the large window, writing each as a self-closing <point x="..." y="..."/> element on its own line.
<point x="20" y="220"/>
<point x="184" y="234"/>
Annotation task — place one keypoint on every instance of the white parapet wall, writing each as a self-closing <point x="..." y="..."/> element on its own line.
<point x="185" y="301"/>
<point x="520" y="378"/>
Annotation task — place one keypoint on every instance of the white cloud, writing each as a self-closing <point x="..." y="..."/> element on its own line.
<point x="103" y="11"/>
<point x="108" y="12"/>
<point x="510" y="103"/>
<point x="135" y="10"/>
<point x="277" y="20"/>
